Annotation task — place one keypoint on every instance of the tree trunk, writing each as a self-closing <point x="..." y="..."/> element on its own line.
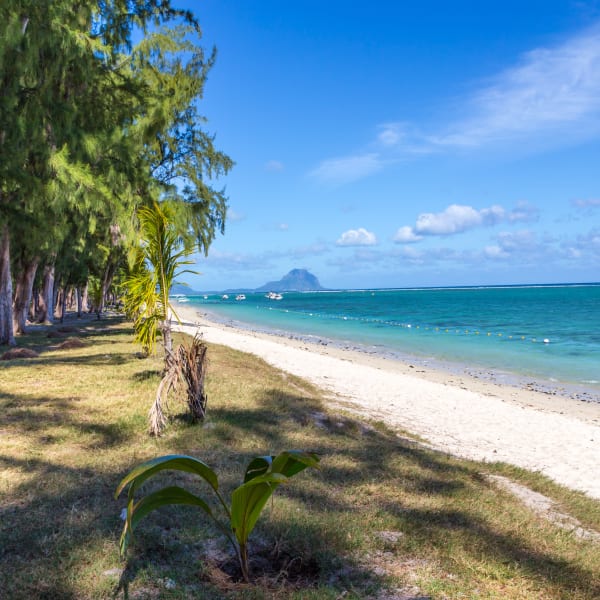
<point x="71" y="298"/>
<point x="109" y="273"/>
<point x="63" y="304"/>
<point x="56" y="299"/>
<point x="23" y="292"/>
<point x="46" y="312"/>
<point x="6" y="317"/>
<point x="168" y="343"/>
<point x="34" y="307"/>
<point x="59" y="295"/>
<point x="85" y="298"/>
<point x="78" y="297"/>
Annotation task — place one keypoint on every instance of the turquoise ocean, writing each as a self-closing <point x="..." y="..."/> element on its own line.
<point x="547" y="336"/>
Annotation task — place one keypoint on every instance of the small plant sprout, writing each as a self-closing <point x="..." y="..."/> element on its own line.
<point x="263" y="475"/>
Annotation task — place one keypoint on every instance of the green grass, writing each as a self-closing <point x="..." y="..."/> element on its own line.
<point x="382" y="513"/>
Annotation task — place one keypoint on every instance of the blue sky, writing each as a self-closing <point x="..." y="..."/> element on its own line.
<point x="394" y="144"/>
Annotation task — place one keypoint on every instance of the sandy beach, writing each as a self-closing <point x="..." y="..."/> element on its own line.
<point x="465" y="416"/>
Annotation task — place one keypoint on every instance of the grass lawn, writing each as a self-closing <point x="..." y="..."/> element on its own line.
<point x="383" y="518"/>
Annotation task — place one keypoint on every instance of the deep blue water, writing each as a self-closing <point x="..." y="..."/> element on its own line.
<point x="502" y="329"/>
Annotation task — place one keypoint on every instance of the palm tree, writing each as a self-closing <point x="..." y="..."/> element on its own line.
<point x="157" y="263"/>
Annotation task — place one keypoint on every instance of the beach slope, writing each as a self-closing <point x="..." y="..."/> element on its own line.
<point x="466" y="417"/>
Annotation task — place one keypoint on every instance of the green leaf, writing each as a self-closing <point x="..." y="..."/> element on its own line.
<point x="258" y="466"/>
<point x="248" y="500"/>
<point x="164" y="497"/>
<point x="293" y="461"/>
<point x="177" y="462"/>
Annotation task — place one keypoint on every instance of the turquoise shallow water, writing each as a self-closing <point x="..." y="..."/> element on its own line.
<point x="549" y="333"/>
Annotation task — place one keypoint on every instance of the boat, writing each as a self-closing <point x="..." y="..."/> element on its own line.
<point x="225" y="297"/>
<point x="240" y="297"/>
<point x="274" y="296"/>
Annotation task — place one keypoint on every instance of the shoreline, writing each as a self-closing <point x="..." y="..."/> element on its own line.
<point x="434" y="367"/>
<point x="461" y="414"/>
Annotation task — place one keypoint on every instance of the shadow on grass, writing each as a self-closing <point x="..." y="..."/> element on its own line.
<point x="44" y="417"/>
<point x="45" y="338"/>
<point x="324" y="522"/>
<point x="49" y="522"/>
<point x="146" y="375"/>
<point x="374" y="456"/>
<point x="456" y="527"/>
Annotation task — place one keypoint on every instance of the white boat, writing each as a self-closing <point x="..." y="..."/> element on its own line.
<point x="225" y="297"/>
<point x="274" y="296"/>
<point x="240" y="297"/>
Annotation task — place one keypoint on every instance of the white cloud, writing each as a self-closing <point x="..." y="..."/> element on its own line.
<point x="550" y="98"/>
<point x="586" y="247"/>
<point x="406" y="235"/>
<point x="456" y="219"/>
<point x="274" y="166"/>
<point x="591" y="203"/>
<point x="233" y="215"/>
<point x="495" y="252"/>
<point x="411" y="253"/>
<point x="318" y="248"/>
<point x="523" y="212"/>
<point x="347" y="169"/>
<point x="357" y="237"/>
<point x="551" y="89"/>
<point x="390" y="134"/>
<point x="519" y="242"/>
<point x="236" y="261"/>
<point x="283" y="227"/>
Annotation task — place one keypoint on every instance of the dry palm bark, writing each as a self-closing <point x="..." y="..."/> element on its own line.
<point x="187" y="365"/>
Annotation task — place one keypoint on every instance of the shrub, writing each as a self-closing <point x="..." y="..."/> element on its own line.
<point x="263" y="475"/>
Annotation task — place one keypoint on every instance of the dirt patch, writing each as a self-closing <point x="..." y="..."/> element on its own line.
<point x="271" y="569"/>
<point x="15" y="353"/>
<point x="66" y="329"/>
<point x="544" y="507"/>
<point x="70" y="343"/>
<point x="54" y="333"/>
<point x="387" y="564"/>
<point x="408" y="593"/>
<point x="338" y="424"/>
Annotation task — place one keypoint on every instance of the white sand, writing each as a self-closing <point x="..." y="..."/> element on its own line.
<point x="466" y="417"/>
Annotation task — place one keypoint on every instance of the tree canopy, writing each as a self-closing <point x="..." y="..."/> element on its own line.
<point x="99" y="116"/>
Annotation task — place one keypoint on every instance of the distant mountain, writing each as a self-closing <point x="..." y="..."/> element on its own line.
<point x="297" y="280"/>
<point x="179" y="288"/>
